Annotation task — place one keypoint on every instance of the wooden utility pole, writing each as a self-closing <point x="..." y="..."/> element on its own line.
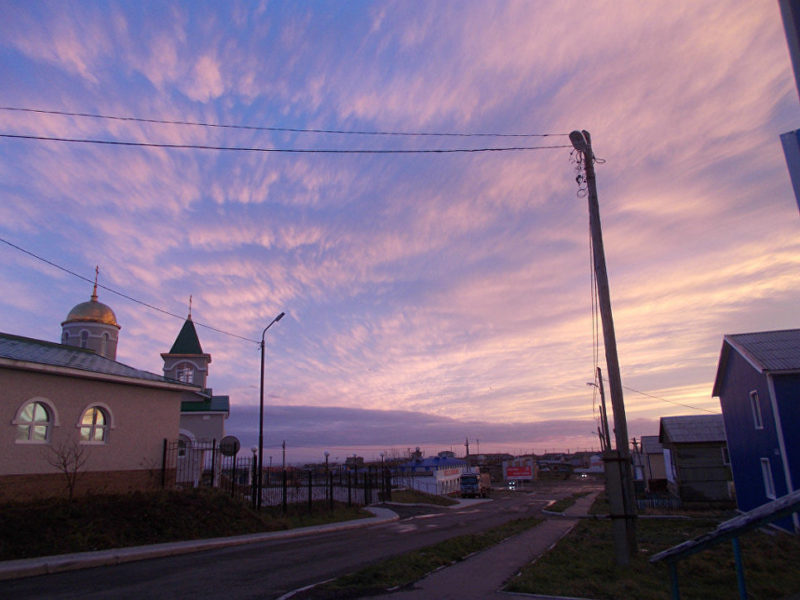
<point x="619" y="477"/>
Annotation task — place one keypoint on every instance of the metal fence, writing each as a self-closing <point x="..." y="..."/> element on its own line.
<point x="202" y="464"/>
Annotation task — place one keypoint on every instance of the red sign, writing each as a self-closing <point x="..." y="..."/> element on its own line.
<point x="519" y="472"/>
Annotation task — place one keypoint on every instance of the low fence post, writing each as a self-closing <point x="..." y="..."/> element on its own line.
<point x="349" y="491"/>
<point x="283" y="502"/>
<point x="213" y="460"/>
<point x="310" y="490"/>
<point x="233" y="476"/>
<point x="253" y="479"/>
<point x="330" y="490"/>
<point x="164" y="465"/>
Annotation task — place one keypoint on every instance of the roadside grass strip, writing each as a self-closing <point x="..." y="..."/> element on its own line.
<point x="102" y="522"/>
<point x="582" y="564"/>
<point x="411" y="496"/>
<point x="561" y="505"/>
<point x="401" y="571"/>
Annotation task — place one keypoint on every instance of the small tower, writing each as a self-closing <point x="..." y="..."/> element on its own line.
<point x="92" y="325"/>
<point x="186" y="360"/>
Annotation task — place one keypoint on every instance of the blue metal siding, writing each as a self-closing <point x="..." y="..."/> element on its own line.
<point x="787" y="394"/>
<point x="746" y="444"/>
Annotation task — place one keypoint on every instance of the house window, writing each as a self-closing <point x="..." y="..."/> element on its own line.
<point x="33" y="423"/>
<point x="185" y="373"/>
<point x="755" y="405"/>
<point x="766" y="474"/>
<point x="94" y="425"/>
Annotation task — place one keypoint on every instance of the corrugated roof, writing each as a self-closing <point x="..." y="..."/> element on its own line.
<point x="651" y="445"/>
<point x="767" y="351"/>
<point x="692" y="429"/>
<point x="770" y="350"/>
<point x="19" y="348"/>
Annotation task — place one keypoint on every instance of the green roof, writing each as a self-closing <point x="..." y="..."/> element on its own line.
<point x="213" y="404"/>
<point x="187" y="341"/>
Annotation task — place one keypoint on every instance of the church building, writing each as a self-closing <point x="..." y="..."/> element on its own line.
<point x="74" y="420"/>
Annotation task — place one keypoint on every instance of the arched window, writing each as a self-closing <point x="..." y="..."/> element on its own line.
<point x="33" y="423"/>
<point x="94" y="425"/>
<point x="64" y="337"/>
<point x="185" y="373"/>
<point x="84" y="338"/>
<point x="104" y="345"/>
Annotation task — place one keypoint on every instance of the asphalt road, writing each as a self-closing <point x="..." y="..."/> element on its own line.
<point x="269" y="570"/>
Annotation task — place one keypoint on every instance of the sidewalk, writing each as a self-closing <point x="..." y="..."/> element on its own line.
<point x="481" y="576"/>
<point x="28" y="567"/>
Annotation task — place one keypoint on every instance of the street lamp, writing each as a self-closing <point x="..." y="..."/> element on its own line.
<point x="261" y="412"/>
<point x="383" y="477"/>
<point x="254" y="450"/>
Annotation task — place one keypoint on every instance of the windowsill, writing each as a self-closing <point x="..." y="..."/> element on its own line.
<point x="33" y="442"/>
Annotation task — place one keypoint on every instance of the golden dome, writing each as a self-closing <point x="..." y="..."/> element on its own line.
<point x="92" y="312"/>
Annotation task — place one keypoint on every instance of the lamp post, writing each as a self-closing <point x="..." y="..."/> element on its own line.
<point x="254" y="450"/>
<point x="261" y="412"/>
<point x="328" y="481"/>
<point x="383" y="477"/>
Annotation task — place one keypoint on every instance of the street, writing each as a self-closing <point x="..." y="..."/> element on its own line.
<point x="269" y="570"/>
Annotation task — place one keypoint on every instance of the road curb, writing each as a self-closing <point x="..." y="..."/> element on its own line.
<point x="30" y="567"/>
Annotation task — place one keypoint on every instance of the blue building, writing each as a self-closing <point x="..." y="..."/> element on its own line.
<point x="758" y="384"/>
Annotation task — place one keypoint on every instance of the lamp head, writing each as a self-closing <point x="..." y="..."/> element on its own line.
<point x="279" y="317"/>
<point x="579" y="141"/>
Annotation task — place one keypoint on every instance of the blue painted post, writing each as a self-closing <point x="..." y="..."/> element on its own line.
<point x="737" y="556"/>
<point x="673" y="578"/>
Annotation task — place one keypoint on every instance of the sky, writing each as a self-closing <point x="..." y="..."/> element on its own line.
<point x="430" y="298"/>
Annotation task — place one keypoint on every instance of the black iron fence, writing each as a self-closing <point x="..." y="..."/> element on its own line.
<point x="202" y="464"/>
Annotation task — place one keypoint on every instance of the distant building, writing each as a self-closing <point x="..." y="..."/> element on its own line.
<point x="655" y="474"/>
<point x="435" y="475"/>
<point x="758" y="385"/>
<point x="696" y="458"/>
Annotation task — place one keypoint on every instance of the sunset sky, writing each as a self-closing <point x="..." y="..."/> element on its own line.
<point x="429" y="297"/>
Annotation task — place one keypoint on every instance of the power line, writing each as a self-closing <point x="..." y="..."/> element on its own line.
<point x="276" y="150"/>
<point x="275" y="129"/>
<point x="113" y="291"/>
<point x="630" y="389"/>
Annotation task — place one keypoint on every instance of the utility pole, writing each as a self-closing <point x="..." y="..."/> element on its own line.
<point x="619" y="478"/>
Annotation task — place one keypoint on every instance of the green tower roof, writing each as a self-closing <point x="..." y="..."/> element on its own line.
<point x="187" y="341"/>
